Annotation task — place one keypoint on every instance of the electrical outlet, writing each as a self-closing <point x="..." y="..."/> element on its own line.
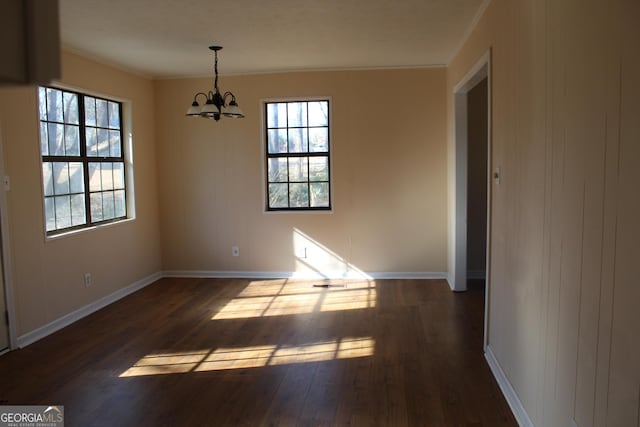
<point x="301" y="253"/>
<point x="87" y="280"/>
<point x="235" y="251"/>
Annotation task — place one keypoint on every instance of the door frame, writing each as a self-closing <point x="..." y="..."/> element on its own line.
<point x="5" y="257"/>
<point x="480" y="70"/>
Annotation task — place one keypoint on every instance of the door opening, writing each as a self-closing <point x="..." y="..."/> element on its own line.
<point x="477" y="174"/>
<point x="470" y="232"/>
<point x="7" y="331"/>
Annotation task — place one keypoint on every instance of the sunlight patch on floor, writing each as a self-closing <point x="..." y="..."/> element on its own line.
<point x="250" y="357"/>
<point x="261" y="300"/>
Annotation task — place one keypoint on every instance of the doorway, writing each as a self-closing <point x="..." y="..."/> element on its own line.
<point x="4" y="327"/>
<point x="471" y="223"/>
<point x="477" y="176"/>
<point x="7" y="335"/>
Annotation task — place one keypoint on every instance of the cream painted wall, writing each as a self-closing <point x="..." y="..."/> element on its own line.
<point x="563" y="318"/>
<point x="389" y="177"/>
<point x="48" y="276"/>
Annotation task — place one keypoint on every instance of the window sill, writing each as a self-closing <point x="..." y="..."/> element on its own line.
<point x="86" y="229"/>
<point x="300" y="212"/>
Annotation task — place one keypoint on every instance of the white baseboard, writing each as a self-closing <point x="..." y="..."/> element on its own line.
<point x="67" y="319"/>
<point x="304" y="275"/>
<point x="507" y="390"/>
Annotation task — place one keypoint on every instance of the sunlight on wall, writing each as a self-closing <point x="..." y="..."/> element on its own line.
<point x="284" y="297"/>
<point x="250" y="357"/>
<point x="313" y="259"/>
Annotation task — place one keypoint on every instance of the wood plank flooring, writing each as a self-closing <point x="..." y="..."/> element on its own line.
<point x="236" y="352"/>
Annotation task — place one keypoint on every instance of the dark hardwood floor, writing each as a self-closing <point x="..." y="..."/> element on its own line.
<point x="233" y="352"/>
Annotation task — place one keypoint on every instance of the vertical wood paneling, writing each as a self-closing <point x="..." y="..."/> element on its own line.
<point x="581" y="311"/>
<point x="624" y="375"/>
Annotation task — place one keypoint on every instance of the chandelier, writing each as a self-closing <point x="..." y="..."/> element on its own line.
<point x="215" y="104"/>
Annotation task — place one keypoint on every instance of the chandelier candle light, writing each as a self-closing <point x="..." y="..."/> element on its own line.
<point x="215" y="104"/>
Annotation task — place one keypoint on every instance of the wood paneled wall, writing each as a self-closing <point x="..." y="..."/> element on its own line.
<point x="564" y="294"/>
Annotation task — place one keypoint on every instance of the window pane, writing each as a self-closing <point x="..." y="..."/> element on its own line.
<point x="318" y="140"/>
<point x="108" y="205"/>
<point x="76" y="177"/>
<point x="114" y="143"/>
<point x="298" y="169"/>
<point x="107" y="176"/>
<point x="96" y="207"/>
<point x="70" y="108"/>
<point x="319" y="194"/>
<point x="114" y="115"/>
<point x="277" y="115"/>
<point x="63" y="211"/>
<point x="78" y="215"/>
<point x="277" y="140"/>
<point x="278" y="196"/>
<point x="298" y="142"/>
<point x="92" y="142"/>
<point x="319" y="113"/>
<point x="299" y="195"/>
<point x="42" y="102"/>
<point x="50" y="213"/>
<point x="103" y="143"/>
<point x="47" y="179"/>
<point x="120" y="203"/>
<point x="54" y="105"/>
<point x="297" y="114"/>
<point x="56" y="139"/>
<point x="102" y="114"/>
<point x="60" y="178"/>
<point x="72" y="140"/>
<point x="44" y="139"/>
<point x="118" y="175"/>
<point x="278" y="169"/>
<point x="89" y="111"/>
<point x="319" y="168"/>
<point x="95" y="177"/>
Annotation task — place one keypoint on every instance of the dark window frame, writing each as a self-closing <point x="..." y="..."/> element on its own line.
<point x="303" y="154"/>
<point x="86" y="159"/>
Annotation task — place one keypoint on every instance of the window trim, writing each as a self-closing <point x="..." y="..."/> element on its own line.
<point x="266" y="156"/>
<point x="127" y="159"/>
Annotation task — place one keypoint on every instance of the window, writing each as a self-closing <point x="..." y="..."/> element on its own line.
<point x="297" y="156"/>
<point x="83" y="164"/>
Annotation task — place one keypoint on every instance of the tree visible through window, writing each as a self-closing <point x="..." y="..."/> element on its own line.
<point x="83" y="165"/>
<point x="297" y="155"/>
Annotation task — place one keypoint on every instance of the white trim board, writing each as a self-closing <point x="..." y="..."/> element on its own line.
<point x="304" y="274"/>
<point x="507" y="390"/>
<point x="67" y="319"/>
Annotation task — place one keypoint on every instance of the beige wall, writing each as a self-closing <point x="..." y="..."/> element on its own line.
<point x="563" y="320"/>
<point x="48" y="276"/>
<point x="389" y="177"/>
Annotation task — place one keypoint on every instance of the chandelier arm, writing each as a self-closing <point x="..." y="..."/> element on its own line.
<point x="195" y="97"/>
<point x="227" y="94"/>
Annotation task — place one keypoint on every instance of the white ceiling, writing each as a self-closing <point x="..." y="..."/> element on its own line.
<point x="170" y="38"/>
